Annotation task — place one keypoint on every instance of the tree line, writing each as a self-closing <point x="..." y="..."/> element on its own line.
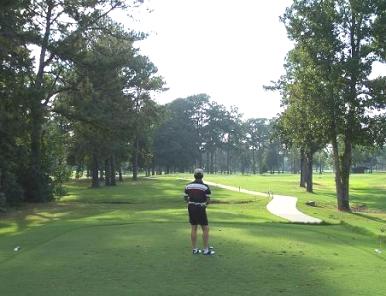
<point x="329" y="94"/>
<point x="76" y="95"/>
<point x="75" y="91"/>
<point x="199" y="132"/>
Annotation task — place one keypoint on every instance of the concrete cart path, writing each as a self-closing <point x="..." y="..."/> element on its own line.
<point x="280" y="205"/>
<point x="285" y="207"/>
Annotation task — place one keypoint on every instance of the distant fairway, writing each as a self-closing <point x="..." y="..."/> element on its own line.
<point x="134" y="240"/>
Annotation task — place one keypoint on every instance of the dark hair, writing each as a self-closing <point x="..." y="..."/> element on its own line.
<point x="198" y="175"/>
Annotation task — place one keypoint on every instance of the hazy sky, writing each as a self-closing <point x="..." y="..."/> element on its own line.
<point x="226" y="49"/>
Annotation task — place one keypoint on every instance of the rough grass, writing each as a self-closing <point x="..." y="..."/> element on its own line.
<point x="134" y="240"/>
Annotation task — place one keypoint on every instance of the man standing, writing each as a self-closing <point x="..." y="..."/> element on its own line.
<point x="197" y="196"/>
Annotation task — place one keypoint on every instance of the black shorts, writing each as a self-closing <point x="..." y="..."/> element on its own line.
<point x="197" y="215"/>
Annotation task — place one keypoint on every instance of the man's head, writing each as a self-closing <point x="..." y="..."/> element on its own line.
<point x="198" y="174"/>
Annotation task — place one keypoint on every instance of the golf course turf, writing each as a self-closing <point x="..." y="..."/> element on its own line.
<point x="134" y="239"/>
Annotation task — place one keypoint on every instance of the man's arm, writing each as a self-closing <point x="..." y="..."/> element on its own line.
<point x="207" y="194"/>
<point x="186" y="196"/>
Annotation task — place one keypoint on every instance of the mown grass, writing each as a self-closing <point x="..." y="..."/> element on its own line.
<point x="133" y="239"/>
<point x="367" y="196"/>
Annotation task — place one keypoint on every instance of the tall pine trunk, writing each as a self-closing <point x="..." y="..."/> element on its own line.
<point x="37" y="187"/>
<point x="36" y="183"/>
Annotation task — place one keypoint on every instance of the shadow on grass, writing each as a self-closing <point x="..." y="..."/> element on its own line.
<point x="142" y="195"/>
<point x="155" y="259"/>
<point x="372" y="197"/>
<point x="143" y="249"/>
<point x="369" y="217"/>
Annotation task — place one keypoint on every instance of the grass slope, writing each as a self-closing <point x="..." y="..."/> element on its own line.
<point x="134" y="240"/>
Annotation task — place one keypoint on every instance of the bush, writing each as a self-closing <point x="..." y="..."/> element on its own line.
<point x="38" y="187"/>
<point x="13" y="193"/>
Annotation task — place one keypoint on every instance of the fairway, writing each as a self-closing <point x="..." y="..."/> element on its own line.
<point x="187" y="148"/>
<point x="133" y="239"/>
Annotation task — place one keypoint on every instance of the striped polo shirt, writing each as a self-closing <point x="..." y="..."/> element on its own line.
<point x="197" y="191"/>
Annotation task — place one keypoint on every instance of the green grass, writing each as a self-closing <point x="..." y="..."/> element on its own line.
<point x="367" y="194"/>
<point x="133" y="239"/>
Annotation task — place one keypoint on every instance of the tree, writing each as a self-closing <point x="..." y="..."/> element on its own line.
<point x="302" y="123"/>
<point x="55" y="147"/>
<point x="141" y="81"/>
<point x="56" y="27"/>
<point x="274" y="154"/>
<point x="16" y="67"/>
<point x="176" y="142"/>
<point x="257" y="138"/>
<point x="380" y="29"/>
<point x="337" y="36"/>
<point x="233" y="135"/>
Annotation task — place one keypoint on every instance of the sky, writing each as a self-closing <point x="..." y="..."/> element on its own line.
<point x="226" y="49"/>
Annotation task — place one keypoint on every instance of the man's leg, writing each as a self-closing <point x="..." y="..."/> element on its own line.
<point x="205" y="236"/>
<point x="193" y="236"/>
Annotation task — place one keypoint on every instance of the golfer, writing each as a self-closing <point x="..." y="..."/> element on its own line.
<point x="197" y="196"/>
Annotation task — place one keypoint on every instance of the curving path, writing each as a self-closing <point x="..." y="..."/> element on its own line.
<point x="280" y="205"/>
<point x="285" y="207"/>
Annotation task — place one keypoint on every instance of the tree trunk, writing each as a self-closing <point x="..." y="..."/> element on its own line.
<point x="120" y="174"/>
<point x="135" y="161"/>
<point x="94" y="172"/>
<point x="295" y="168"/>
<point x="207" y="161"/>
<point x="254" y="161"/>
<point x="153" y="168"/>
<point x="37" y="185"/>
<point x="211" y="162"/>
<point x="309" y="171"/>
<point x="34" y="189"/>
<point x="113" y="180"/>
<point x="101" y="175"/>
<point x="302" y="169"/>
<point x="341" y="177"/>
<point x="79" y="172"/>
<point x="345" y="173"/>
<point x="228" y="162"/>
<point x="200" y="161"/>
<point x="107" y="173"/>
<point x="262" y="166"/>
